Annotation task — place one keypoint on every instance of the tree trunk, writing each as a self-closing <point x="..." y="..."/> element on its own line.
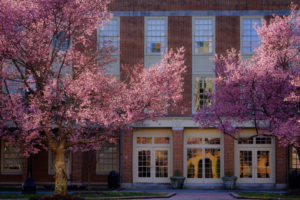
<point x="61" y="181"/>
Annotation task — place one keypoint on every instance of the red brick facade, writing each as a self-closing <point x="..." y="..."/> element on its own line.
<point x="178" y="151"/>
<point x="227" y="36"/>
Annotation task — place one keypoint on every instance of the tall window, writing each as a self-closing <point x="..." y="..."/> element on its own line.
<point x="203" y="156"/>
<point x="11" y="160"/>
<point x="13" y="85"/>
<point x="254" y="159"/>
<point x="156" y="35"/>
<point x="62" y="42"/>
<point x="203" y="90"/>
<point x="294" y="160"/>
<point x="109" y="35"/>
<point x="107" y="159"/>
<point x="250" y="38"/>
<point x="203" y="35"/>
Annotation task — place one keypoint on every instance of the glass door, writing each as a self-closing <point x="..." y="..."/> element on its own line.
<point x="153" y="165"/>
<point x="144" y="164"/>
<point x="161" y="164"/>
<point x="255" y="165"/>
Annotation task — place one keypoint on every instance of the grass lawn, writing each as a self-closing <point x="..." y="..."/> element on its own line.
<point x="105" y="194"/>
<point x="270" y="195"/>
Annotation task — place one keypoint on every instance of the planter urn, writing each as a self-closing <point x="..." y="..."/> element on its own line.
<point x="229" y="182"/>
<point x="177" y="182"/>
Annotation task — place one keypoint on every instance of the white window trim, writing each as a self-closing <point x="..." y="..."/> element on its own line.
<point x="194" y="76"/>
<point x="118" y="30"/>
<point x="241" y="31"/>
<point x="214" y="36"/>
<point x="2" y="163"/>
<point x="152" y="133"/>
<point x="254" y="148"/>
<point x="203" y="133"/>
<point x="145" y="35"/>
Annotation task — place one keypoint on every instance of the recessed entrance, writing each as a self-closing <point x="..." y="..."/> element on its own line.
<point x="255" y="160"/>
<point x="152" y="156"/>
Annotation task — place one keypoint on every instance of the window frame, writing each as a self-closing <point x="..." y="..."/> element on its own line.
<point x="195" y="76"/>
<point x="118" y="36"/>
<point x="146" y="53"/>
<point x="291" y="159"/>
<point x="242" y="29"/>
<point x="10" y="172"/>
<point x="213" y="36"/>
<point x="99" y="169"/>
<point x="254" y="148"/>
<point x="203" y="133"/>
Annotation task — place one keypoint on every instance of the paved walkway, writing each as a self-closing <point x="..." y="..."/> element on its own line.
<point x="198" y="194"/>
<point x="201" y="196"/>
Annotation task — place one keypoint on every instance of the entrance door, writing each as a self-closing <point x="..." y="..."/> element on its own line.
<point x="152" y="158"/>
<point x="153" y="165"/>
<point x="255" y="165"/>
<point x="255" y="162"/>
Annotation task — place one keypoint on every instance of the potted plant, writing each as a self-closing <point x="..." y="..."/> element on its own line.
<point x="229" y="180"/>
<point x="177" y="181"/>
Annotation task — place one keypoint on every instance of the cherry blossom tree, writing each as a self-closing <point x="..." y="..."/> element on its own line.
<point x="262" y="91"/>
<point x="55" y="92"/>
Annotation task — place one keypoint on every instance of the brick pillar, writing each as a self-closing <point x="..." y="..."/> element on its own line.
<point x="281" y="162"/>
<point x="228" y="154"/>
<point x="180" y="34"/>
<point x="178" y="149"/>
<point x="76" y="172"/>
<point x="126" y="156"/>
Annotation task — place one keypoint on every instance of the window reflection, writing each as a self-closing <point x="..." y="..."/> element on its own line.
<point x="161" y="140"/>
<point x="263" y="164"/>
<point x="245" y="164"/>
<point x="194" y="156"/>
<point x="212" y="141"/>
<point x="144" y="140"/>
<point x="212" y="163"/>
<point x="161" y="163"/>
<point x="194" y="140"/>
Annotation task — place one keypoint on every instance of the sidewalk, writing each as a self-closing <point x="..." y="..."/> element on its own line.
<point x="188" y="194"/>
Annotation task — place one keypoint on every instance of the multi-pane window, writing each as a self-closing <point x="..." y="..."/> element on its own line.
<point x="13" y="84"/>
<point x="144" y="163"/>
<point x="295" y="161"/>
<point x="245" y="164"/>
<point x="107" y="159"/>
<point x="250" y="38"/>
<point x="203" y="91"/>
<point x="156" y="35"/>
<point x="11" y="160"/>
<point x="254" y="159"/>
<point x="109" y="35"/>
<point x="203" y="159"/>
<point x="263" y="164"/>
<point x="61" y="41"/>
<point x="203" y="35"/>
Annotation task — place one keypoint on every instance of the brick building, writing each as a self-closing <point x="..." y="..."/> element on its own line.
<point x="150" y="153"/>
